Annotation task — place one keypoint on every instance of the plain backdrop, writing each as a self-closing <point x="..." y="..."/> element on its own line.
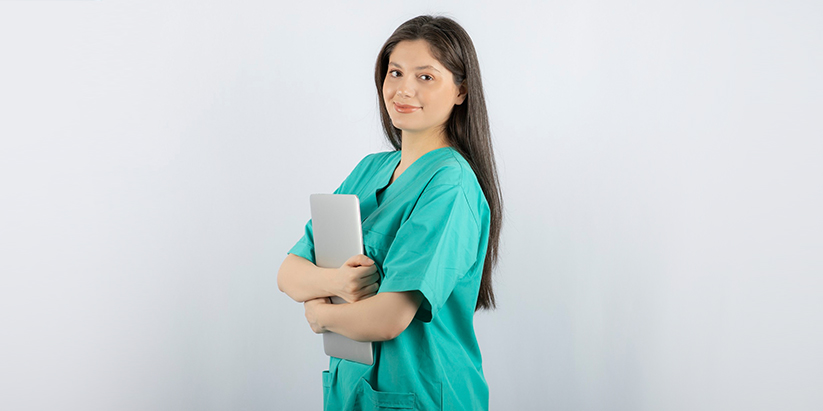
<point x="661" y="164"/>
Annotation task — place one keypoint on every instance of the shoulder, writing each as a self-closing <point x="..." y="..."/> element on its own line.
<point x="450" y="171"/>
<point x="369" y="163"/>
<point x="452" y="168"/>
<point x="373" y="160"/>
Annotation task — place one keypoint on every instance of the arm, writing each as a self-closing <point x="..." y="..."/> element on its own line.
<point x="301" y="280"/>
<point x="380" y="318"/>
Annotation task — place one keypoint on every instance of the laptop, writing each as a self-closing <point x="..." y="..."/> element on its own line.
<point x="338" y="236"/>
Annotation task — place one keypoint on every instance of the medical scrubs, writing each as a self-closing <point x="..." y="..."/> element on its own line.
<point x="426" y="231"/>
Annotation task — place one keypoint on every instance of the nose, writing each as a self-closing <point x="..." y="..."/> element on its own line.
<point x="405" y="88"/>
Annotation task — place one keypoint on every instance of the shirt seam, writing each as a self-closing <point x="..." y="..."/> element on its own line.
<point x="454" y="153"/>
<point x="465" y="198"/>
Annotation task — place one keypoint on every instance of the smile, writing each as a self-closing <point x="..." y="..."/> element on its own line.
<point x="401" y="108"/>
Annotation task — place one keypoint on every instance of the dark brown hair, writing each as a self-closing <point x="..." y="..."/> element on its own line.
<point x="467" y="128"/>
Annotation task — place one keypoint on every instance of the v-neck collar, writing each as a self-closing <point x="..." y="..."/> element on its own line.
<point x="385" y="175"/>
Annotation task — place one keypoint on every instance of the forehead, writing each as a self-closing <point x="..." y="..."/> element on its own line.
<point x="414" y="53"/>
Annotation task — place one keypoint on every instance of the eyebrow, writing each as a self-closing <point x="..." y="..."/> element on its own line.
<point x="416" y="68"/>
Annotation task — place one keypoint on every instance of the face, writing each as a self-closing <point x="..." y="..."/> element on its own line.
<point x="418" y="91"/>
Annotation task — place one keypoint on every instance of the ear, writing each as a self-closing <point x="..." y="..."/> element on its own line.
<point x="461" y="95"/>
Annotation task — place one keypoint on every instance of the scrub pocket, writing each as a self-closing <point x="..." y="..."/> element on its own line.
<point x="380" y="400"/>
<point x="376" y="247"/>
<point x="326" y="388"/>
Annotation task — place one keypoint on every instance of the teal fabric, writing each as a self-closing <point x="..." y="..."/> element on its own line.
<point x="427" y="231"/>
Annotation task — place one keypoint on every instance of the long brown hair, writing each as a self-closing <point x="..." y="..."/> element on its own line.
<point x="467" y="129"/>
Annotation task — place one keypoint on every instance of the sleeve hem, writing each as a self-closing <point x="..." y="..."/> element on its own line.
<point x="427" y="311"/>
<point x="303" y="249"/>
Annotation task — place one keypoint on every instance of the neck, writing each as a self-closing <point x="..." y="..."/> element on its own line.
<point x="415" y="144"/>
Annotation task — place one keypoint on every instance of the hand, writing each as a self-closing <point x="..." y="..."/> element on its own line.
<point x="312" y="307"/>
<point x="355" y="280"/>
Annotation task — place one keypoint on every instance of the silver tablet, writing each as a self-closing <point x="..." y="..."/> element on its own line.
<point x="337" y="237"/>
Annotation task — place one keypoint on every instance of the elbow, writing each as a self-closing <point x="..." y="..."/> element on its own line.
<point x="381" y="331"/>
<point x="399" y="320"/>
<point x="392" y="334"/>
<point x="280" y="279"/>
<point x="389" y="333"/>
<point x="396" y="328"/>
<point x="381" y="335"/>
<point x="283" y="282"/>
<point x="286" y="286"/>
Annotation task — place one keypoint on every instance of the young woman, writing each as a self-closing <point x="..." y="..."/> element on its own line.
<point x="431" y="214"/>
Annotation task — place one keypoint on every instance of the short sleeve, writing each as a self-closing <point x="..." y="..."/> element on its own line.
<point x="433" y="249"/>
<point x="305" y="246"/>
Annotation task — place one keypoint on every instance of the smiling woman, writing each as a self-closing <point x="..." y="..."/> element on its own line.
<point x="426" y="89"/>
<point x="431" y="222"/>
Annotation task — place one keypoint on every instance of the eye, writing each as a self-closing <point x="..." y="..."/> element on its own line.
<point x="427" y="77"/>
<point x="394" y="73"/>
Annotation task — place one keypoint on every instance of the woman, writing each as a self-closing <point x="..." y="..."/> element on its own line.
<point x="431" y="214"/>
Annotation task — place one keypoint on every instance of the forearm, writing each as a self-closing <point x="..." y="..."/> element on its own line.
<point x="379" y="318"/>
<point x="301" y="280"/>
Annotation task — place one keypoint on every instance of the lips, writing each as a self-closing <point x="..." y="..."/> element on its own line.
<point x="403" y="108"/>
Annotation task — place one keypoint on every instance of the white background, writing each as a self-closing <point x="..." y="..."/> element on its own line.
<point x="661" y="163"/>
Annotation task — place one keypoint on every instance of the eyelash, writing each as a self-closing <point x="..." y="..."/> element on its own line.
<point x="391" y="72"/>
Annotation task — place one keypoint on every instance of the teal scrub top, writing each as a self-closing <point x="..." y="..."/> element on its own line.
<point x="427" y="231"/>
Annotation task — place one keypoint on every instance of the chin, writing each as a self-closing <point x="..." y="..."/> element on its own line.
<point x="399" y="124"/>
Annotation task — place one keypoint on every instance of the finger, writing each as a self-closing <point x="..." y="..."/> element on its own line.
<point x="371" y="278"/>
<point x="366" y="272"/>
<point x="365" y="292"/>
<point x="366" y="287"/>
<point x="370" y="289"/>
<point x="359" y="260"/>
